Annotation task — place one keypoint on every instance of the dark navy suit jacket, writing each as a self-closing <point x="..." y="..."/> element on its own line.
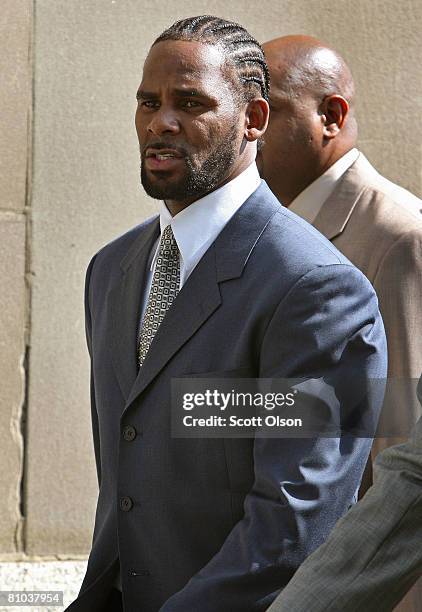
<point x="220" y="525"/>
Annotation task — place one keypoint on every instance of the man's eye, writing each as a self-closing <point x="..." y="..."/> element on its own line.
<point x="149" y="103"/>
<point x="190" y="103"/>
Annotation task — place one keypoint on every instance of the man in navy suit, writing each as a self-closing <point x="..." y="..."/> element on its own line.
<point x="225" y="282"/>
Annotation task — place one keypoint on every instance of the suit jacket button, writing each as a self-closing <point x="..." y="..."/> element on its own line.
<point x="129" y="433"/>
<point x="142" y="572"/>
<point x="126" y="504"/>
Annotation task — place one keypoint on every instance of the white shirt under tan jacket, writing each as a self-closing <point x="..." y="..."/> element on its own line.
<point x="378" y="226"/>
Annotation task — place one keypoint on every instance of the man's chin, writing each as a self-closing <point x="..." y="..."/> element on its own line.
<point x="162" y="187"/>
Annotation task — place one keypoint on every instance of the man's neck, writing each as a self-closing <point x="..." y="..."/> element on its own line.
<point x="176" y="207"/>
<point x="295" y="190"/>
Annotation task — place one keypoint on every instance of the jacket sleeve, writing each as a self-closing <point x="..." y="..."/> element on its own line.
<point x="327" y="327"/>
<point x="373" y="556"/>
<point x="398" y="284"/>
<point x="88" y="331"/>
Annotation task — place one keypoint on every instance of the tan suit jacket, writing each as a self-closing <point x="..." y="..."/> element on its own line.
<point x="378" y="226"/>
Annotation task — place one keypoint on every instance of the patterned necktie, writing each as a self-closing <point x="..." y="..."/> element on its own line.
<point x="164" y="288"/>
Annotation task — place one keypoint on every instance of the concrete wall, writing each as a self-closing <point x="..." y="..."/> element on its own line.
<point x="85" y="190"/>
<point x="15" y="155"/>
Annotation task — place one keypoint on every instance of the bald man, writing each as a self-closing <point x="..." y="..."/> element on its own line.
<point x="311" y="163"/>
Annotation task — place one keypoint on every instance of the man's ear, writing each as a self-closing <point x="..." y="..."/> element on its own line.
<point x="334" y="110"/>
<point x="256" y="119"/>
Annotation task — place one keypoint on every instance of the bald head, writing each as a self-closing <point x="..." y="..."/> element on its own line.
<point x="312" y="121"/>
<point x="303" y="63"/>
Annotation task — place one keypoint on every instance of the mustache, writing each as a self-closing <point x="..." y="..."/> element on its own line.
<point x="161" y="144"/>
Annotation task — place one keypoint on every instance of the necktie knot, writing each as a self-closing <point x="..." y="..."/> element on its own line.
<point x="168" y="245"/>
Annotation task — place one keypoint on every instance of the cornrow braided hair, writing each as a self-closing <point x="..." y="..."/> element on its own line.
<point x="241" y="50"/>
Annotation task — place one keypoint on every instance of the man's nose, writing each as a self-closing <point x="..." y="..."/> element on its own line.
<point x="164" y="120"/>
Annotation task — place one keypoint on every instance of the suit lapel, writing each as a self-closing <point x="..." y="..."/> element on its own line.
<point x="200" y="296"/>
<point x="125" y="305"/>
<point x="197" y="300"/>
<point x="337" y="209"/>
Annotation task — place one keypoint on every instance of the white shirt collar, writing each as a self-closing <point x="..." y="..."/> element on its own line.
<point x="197" y="226"/>
<point x="309" y="202"/>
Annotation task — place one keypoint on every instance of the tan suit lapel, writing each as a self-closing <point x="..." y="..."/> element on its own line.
<point x="337" y="209"/>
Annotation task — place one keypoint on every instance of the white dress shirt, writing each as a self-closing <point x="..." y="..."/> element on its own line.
<point x="309" y="202"/>
<point x="197" y="226"/>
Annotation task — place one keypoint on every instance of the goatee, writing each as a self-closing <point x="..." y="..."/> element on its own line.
<point x="196" y="181"/>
